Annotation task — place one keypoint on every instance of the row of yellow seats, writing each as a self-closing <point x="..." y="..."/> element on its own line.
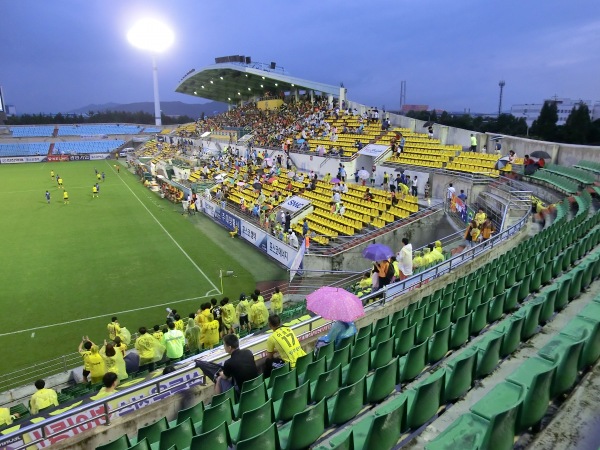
<point x="319" y="225"/>
<point x="342" y="220"/>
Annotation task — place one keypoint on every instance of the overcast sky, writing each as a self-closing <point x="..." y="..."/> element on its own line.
<point x="61" y="55"/>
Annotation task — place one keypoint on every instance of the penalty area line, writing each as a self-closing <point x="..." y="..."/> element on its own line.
<point x="103" y="315"/>
<point x="165" y="230"/>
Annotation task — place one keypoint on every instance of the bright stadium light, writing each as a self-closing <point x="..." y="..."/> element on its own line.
<point x="155" y="37"/>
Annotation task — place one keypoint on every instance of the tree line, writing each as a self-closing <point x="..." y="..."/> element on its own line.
<point x="139" y="117"/>
<point x="578" y="129"/>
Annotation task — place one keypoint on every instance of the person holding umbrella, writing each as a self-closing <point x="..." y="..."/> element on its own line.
<point x="337" y="333"/>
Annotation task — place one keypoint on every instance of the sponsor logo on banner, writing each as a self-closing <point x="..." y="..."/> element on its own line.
<point x="254" y="234"/>
<point x="209" y="208"/>
<point x="79" y="157"/>
<point x="69" y="426"/>
<point x="374" y="150"/>
<point x="22" y="159"/>
<point x="280" y="251"/>
<point x="95" y="156"/>
<point x="55" y="158"/>
<point x="295" y="204"/>
<point x="229" y="220"/>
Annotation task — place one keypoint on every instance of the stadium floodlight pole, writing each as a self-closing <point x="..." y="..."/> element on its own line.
<point x="156" y="37"/>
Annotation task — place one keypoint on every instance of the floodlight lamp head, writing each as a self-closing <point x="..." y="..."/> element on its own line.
<point x="151" y="35"/>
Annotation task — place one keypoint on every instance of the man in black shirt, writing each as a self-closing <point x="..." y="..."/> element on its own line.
<point x="238" y="368"/>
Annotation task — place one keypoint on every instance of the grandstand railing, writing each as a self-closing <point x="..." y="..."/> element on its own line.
<point x="41" y="431"/>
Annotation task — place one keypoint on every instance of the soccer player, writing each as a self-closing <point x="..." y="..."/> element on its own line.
<point x="52" y="174"/>
<point x="66" y="197"/>
<point x="98" y="176"/>
<point x="48" y="197"/>
<point x="282" y="341"/>
<point x="42" y="398"/>
<point x="94" y="191"/>
<point x="60" y="182"/>
<point x="103" y="176"/>
<point x="98" y="188"/>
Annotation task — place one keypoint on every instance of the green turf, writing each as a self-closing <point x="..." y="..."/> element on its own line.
<point x="68" y="268"/>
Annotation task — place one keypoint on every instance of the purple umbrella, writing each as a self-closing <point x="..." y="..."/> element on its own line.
<point x="335" y="180"/>
<point x="335" y="304"/>
<point x="377" y="252"/>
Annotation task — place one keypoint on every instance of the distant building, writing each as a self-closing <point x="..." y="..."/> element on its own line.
<point x="531" y="111"/>
<point x="418" y="108"/>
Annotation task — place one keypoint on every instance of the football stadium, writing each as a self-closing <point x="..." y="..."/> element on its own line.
<point x="367" y="280"/>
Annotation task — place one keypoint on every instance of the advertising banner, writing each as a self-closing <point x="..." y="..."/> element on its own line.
<point x="227" y="219"/>
<point x="56" y="158"/>
<point x="295" y="204"/>
<point x="22" y="159"/>
<point x="209" y="208"/>
<point x="79" y="157"/>
<point x="255" y="235"/>
<point x="95" y="156"/>
<point x="280" y="251"/>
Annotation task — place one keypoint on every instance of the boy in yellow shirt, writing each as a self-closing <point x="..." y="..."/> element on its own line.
<point x="277" y="302"/>
<point x="259" y="314"/>
<point x="43" y="398"/>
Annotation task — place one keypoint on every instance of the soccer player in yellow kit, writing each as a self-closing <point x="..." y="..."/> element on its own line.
<point x="94" y="191"/>
<point x="282" y="341"/>
<point x="65" y="197"/>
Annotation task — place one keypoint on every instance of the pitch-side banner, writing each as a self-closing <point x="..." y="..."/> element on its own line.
<point x="22" y="159"/>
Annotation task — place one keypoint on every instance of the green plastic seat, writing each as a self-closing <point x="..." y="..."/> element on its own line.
<point x="575" y="288"/>
<point x="382" y="428"/>
<point x="512" y="329"/>
<point x="313" y="370"/>
<point x="196" y="413"/>
<point x="547" y="272"/>
<point x="283" y="383"/>
<point x="267" y="440"/>
<point x="547" y="300"/>
<point x="565" y="352"/>
<point x="292" y="402"/>
<point x="475" y="300"/>
<point x="511" y="278"/>
<point x="442" y="319"/>
<point x="531" y="313"/>
<point x="512" y="298"/>
<point x="250" y="400"/>
<point x="347" y="341"/>
<point x="432" y="308"/>
<point x="341" y="441"/>
<point x="381" y="335"/>
<point x="346" y="404"/>
<point x="562" y="296"/>
<point x="425" y="329"/>
<point x="405" y="341"/>
<point x="141" y="445"/>
<point x="327" y="384"/>
<point x="400" y="325"/>
<point x="381" y="383"/>
<point x="152" y="431"/>
<point x="496" y="308"/>
<point x="361" y="345"/>
<point x="417" y="316"/>
<point x="252" y="422"/>
<point x="121" y="443"/>
<point x="326" y="351"/>
<point x="358" y="368"/>
<point x="460" y="374"/>
<point x="215" y="439"/>
<point x="524" y="289"/>
<point x="424" y="399"/>
<point x="438" y="345"/>
<point x="535" y="376"/>
<point x="488" y="355"/>
<point x="411" y="365"/>
<point x="460" y="331"/>
<point x="381" y="323"/>
<point x="303" y="362"/>
<point x="180" y="435"/>
<point x="479" y="319"/>
<point x="304" y="428"/>
<point x="215" y="415"/>
<point x="252" y="384"/>
<point x="382" y="354"/>
<point x="275" y="373"/>
<point x="340" y="356"/>
<point x="229" y="394"/>
<point x="364" y="331"/>
<point x="536" y="280"/>
<point x="459" y="309"/>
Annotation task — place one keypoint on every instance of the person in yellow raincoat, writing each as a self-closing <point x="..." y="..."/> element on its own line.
<point x="228" y="316"/>
<point x="6" y="418"/>
<point x="437" y="254"/>
<point x="480" y="217"/>
<point x="276" y="302"/>
<point x="418" y="262"/>
<point x="113" y="360"/>
<point x="259" y="314"/>
<point x="149" y="349"/>
<point x="113" y="328"/>
<point x="427" y="257"/>
<point x="210" y="333"/>
<point x="192" y="335"/>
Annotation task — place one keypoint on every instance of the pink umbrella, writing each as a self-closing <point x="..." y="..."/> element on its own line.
<point x="335" y="304"/>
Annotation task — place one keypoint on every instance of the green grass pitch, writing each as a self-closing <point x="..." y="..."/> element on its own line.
<point x="66" y="269"/>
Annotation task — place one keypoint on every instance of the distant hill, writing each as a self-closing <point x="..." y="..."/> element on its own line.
<point x="168" y="108"/>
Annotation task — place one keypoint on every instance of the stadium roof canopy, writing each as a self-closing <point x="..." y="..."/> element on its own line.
<point x="232" y="82"/>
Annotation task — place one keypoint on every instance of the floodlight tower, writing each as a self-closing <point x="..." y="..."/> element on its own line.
<point x="501" y="84"/>
<point x="156" y="37"/>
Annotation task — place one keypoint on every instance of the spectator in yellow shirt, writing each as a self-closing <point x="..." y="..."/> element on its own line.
<point x="113" y="328"/>
<point x="113" y="360"/>
<point x="192" y="335"/>
<point x="149" y="349"/>
<point x="260" y="297"/>
<point x="110" y="382"/>
<point x="6" y="418"/>
<point x="243" y="309"/>
<point x="276" y="302"/>
<point x="96" y="364"/>
<point x="210" y="333"/>
<point x="259" y="314"/>
<point x="84" y="350"/>
<point x="282" y="341"/>
<point x="157" y="334"/>
<point x="179" y="325"/>
<point x="43" y="398"/>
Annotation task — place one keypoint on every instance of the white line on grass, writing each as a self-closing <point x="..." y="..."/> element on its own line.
<point x="103" y="315"/>
<point x="166" y="232"/>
